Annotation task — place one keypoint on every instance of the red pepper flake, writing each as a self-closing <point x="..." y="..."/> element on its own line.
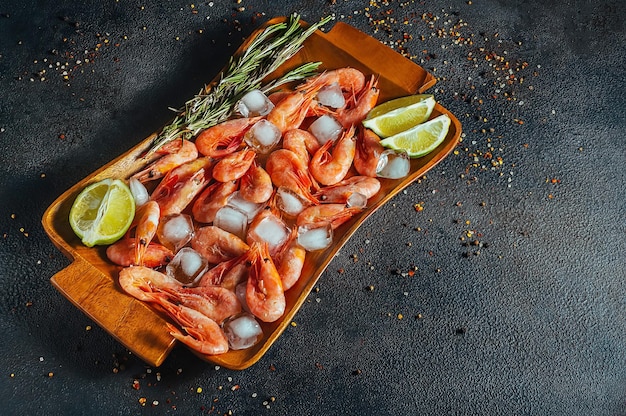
<point x="62" y="136"/>
<point x="136" y="384"/>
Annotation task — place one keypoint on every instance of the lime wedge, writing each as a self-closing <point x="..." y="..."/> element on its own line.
<point x="401" y="119"/>
<point x="396" y="103"/>
<point x="102" y="213"/>
<point x="421" y="139"/>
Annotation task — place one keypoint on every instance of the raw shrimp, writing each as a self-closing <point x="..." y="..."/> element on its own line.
<point x="224" y="138"/>
<point x="265" y="295"/>
<point x="256" y="185"/>
<point x="350" y="80"/>
<point x="214" y="197"/>
<point x="216" y="302"/>
<point x="204" y="334"/>
<point x="352" y="115"/>
<point x="143" y="282"/>
<point x="335" y="214"/>
<point x="227" y="274"/>
<point x="301" y="142"/>
<point x="234" y="165"/>
<point x="181" y="185"/>
<point x="368" y="151"/>
<point x="145" y="227"/>
<point x="122" y="253"/>
<point x="341" y="191"/>
<point x="290" y="112"/>
<point x="290" y="260"/>
<point x="175" y="154"/>
<point x="287" y="170"/>
<point x="329" y="168"/>
<point x="217" y="245"/>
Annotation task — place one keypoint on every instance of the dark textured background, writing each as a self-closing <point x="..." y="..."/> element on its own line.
<point x="498" y="280"/>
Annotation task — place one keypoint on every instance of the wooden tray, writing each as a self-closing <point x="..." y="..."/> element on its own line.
<point x="90" y="281"/>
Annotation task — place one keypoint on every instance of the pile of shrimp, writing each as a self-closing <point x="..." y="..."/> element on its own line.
<point x="198" y="177"/>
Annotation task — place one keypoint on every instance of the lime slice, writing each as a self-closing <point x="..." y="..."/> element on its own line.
<point x="102" y="212"/>
<point x="396" y="103"/>
<point x="401" y="119"/>
<point x="421" y="139"/>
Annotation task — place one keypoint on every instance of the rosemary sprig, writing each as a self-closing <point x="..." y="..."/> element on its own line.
<point x="267" y="51"/>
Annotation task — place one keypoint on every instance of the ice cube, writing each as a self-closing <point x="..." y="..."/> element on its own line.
<point x="254" y="103"/>
<point x="393" y="164"/>
<point x="231" y="219"/>
<point x="331" y="96"/>
<point x="175" y="231"/>
<point x="270" y="229"/>
<point x="263" y="136"/>
<point x="139" y="191"/>
<point x="326" y="128"/>
<point x="315" y="237"/>
<point x="240" y="291"/>
<point x="250" y="209"/>
<point x="289" y="202"/>
<point x="356" y="200"/>
<point x="187" y="266"/>
<point x="243" y="331"/>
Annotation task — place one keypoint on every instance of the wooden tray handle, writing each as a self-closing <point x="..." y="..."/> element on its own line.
<point x="131" y="322"/>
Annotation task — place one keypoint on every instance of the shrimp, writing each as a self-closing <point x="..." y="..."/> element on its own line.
<point x="217" y="245"/>
<point x="175" y="154"/>
<point x="328" y="168"/>
<point x="204" y="334"/>
<point x="143" y="282"/>
<point x="368" y="151"/>
<point x="123" y="251"/>
<point x="301" y="142"/>
<point x="290" y="112"/>
<point x="227" y="274"/>
<point x="145" y="226"/>
<point x="215" y="302"/>
<point x="287" y="170"/>
<point x="181" y="185"/>
<point x="352" y="115"/>
<point x="234" y="165"/>
<point x="290" y="260"/>
<point x="350" y="80"/>
<point x="334" y="214"/>
<point x="214" y="197"/>
<point x="341" y="191"/>
<point x="224" y="138"/>
<point x="264" y="290"/>
<point x="256" y="185"/>
<point x="277" y="96"/>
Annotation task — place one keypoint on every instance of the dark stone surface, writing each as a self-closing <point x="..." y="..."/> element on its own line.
<point x="510" y="282"/>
